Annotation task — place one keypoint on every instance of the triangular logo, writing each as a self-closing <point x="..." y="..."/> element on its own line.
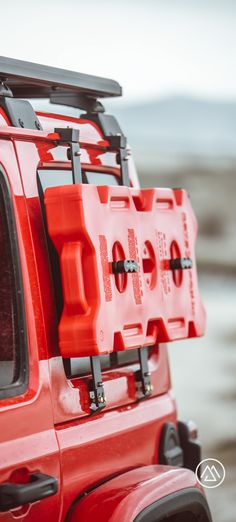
<point x="210" y="474"/>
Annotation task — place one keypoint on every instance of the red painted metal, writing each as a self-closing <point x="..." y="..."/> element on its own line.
<point x="97" y="448"/>
<point x="48" y="428"/>
<point x="125" y="496"/>
<point x="28" y="440"/>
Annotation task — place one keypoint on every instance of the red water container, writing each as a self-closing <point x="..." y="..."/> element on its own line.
<point x="128" y="267"/>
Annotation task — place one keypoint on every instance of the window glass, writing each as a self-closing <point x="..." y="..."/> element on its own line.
<point x="11" y="329"/>
<point x="55" y="178"/>
<point x="101" y="178"/>
<point x="81" y="365"/>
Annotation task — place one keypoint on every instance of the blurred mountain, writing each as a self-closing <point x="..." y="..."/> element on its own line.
<point x="180" y="130"/>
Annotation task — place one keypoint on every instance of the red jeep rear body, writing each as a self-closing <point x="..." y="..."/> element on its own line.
<point x="47" y="427"/>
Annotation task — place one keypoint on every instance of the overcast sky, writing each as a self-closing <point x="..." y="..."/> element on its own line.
<point x="152" y="47"/>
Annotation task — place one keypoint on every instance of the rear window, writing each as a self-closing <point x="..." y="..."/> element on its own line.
<point x="55" y="178"/>
<point x="13" y="359"/>
<point x="79" y="366"/>
<point x="8" y="313"/>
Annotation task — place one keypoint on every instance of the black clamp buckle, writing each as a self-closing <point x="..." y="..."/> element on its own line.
<point x="70" y="137"/>
<point x="181" y="263"/>
<point x="124" y="267"/>
<point x="144" y="385"/>
<point x="96" y="393"/>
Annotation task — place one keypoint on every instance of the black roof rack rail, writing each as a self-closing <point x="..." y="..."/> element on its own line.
<point x="31" y="80"/>
<point x="20" y="79"/>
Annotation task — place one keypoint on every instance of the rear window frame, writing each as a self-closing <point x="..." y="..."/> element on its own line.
<point x="20" y="384"/>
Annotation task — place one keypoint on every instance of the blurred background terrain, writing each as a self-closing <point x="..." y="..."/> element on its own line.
<point x="176" y="62"/>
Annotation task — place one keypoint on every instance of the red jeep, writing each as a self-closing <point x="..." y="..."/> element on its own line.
<point x="96" y="275"/>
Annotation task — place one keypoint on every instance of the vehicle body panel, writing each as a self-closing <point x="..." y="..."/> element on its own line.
<point x="105" y="445"/>
<point x="125" y="496"/>
<point x="28" y="440"/>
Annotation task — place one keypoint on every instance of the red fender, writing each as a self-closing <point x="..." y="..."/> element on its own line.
<point x="124" y="497"/>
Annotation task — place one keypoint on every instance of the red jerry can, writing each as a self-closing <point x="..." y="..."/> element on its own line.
<point x="128" y="267"/>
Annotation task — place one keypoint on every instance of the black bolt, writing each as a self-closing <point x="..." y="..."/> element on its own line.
<point x="21" y="123"/>
<point x="181" y="263"/>
<point x="37" y="125"/>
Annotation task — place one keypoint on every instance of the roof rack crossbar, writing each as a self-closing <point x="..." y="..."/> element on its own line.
<point x="30" y="80"/>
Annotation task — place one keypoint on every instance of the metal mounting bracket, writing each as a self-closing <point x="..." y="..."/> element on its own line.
<point x="143" y="380"/>
<point x="119" y="142"/>
<point x="96" y="393"/>
<point x="114" y="135"/>
<point x="70" y="137"/>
